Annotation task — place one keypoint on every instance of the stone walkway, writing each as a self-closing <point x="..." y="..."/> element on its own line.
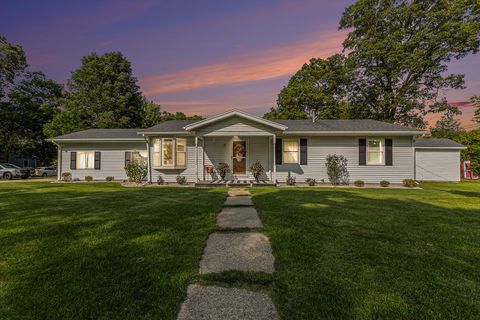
<point x="235" y="248"/>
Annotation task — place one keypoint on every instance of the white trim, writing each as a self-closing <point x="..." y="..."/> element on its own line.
<point x="354" y="133"/>
<point x="442" y="148"/>
<point x="166" y="133"/>
<point x="298" y="150"/>
<point x="96" y="139"/>
<point x="382" y="151"/>
<point x="232" y="113"/>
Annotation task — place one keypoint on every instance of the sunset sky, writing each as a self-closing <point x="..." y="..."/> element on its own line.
<point x="198" y="57"/>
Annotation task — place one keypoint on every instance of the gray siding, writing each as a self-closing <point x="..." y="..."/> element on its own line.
<point x="437" y="165"/>
<point x="235" y="126"/>
<point x="112" y="158"/>
<point x="320" y="147"/>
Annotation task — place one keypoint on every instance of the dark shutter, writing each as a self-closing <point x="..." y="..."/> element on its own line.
<point x="362" y="152"/>
<point x="388" y="152"/>
<point x="98" y="159"/>
<point x="73" y="160"/>
<point x="128" y="158"/>
<point x="278" y="151"/>
<point x="303" y="151"/>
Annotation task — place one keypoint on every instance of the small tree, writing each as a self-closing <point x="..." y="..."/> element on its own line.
<point x="136" y="171"/>
<point x="337" y="169"/>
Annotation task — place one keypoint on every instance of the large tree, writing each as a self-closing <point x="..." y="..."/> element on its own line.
<point x="316" y="91"/>
<point x="13" y="62"/>
<point x="401" y="50"/>
<point x="476" y="103"/>
<point x="102" y="93"/>
<point x="448" y="126"/>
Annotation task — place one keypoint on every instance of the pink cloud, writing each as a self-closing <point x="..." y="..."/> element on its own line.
<point x="466" y="118"/>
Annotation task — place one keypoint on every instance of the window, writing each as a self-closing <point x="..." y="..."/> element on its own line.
<point x="167" y="152"/>
<point x="85" y="160"/>
<point x="156" y="153"/>
<point x="181" y="158"/>
<point x="290" y="151"/>
<point x="375" y="149"/>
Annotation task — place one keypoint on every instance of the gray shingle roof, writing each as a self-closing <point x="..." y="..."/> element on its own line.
<point x="436" y="143"/>
<point x="101" y="134"/>
<point x="169" y="126"/>
<point x="342" y="125"/>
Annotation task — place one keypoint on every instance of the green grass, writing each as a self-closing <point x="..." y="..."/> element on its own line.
<point x="100" y="251"/>
<point x="374" y="253"/>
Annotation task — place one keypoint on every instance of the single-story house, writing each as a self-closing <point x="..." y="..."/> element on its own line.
<point x="193" y="148"/>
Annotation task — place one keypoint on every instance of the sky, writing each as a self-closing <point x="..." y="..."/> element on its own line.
<point x="198" y="57"/>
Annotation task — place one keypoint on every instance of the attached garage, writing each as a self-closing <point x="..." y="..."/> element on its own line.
<point x="437" y="160"/>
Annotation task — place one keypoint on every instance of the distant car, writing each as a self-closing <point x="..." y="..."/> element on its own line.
<point x="46" y="171"/>
<point x="10" y="171"/>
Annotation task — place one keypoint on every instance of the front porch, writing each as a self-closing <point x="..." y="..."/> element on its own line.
<point x="235" y="183"/>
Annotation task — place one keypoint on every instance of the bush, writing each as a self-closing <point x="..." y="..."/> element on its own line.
<point x="290" y="180"/>
<point x="160" y="180"/>
<point x="337" y="169"/>
<point x="136" y="171"/>
<point x="181" y="180"/>
<point x="109" y="178"/>
<point x="67" y="176"/>
<point x="88" y="178"/>
<point x="384" y="183"/>
<point x="409" y="183"/>
<point x="359" y="183"/>
<point x="257" y="170"/>
<point x="311" y="182"/>
<point x="223" y="169"/>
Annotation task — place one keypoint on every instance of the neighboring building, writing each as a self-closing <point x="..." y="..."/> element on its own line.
<point x="18" y="160"/>
<point x="193" y="148"/>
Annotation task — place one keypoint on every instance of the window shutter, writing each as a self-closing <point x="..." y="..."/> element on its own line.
<point x="128" y="158"/>
<point x="278" y="151"/>
<point x="73" y="160"/>
<point x="362" y="152"/>
<point x="303" y="151"/>
<point x="98" y="159"/>
<point x="388" y="152"/>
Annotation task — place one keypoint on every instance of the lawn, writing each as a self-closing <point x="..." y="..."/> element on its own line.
<point x="100" y="251"/>
<point x="374" y="253"/>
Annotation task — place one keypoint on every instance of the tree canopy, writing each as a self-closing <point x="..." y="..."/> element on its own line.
<point x="13" y="62"/>
<point x="476" y="103"/>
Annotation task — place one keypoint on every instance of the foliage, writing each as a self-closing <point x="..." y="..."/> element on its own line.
<point x="109" y="178"/>
<point x="181" y="180"/>
<point x="359" y="183"/>
<point x="152" y="114"/>
<point x="476" y="103"/>
<point x="66" y="176"/>
<point x="136" y="171"/>
<point x="223" y="169"/>
<point x="160" y="180"/>
<point x="409" y="183"/>
<point x="13" y="62"/>
<point x="317" y="91"/>
<point x="384" y="183"/>
<point x="257" y="170"/>
<point x="447" y="126"/>
<point x="311" y="182"/>
<point x="290" y="181"/>
<point x="337" y="171"/>
<point x="88" y="178"/>
<point x="471" y="140"/>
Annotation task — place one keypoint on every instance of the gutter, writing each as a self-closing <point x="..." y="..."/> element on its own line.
<point x="355" y="133"/>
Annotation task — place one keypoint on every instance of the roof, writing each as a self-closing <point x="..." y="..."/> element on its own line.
<point x="362" y="125"/>
<point x="431" y="143"/>
<point x="102" y="134"/>
<point x="169" y="126"/>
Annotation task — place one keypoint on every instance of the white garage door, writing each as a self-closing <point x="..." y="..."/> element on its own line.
<point x="437" y="165"/>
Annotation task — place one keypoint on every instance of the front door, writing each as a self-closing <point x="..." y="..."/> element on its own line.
<point x="239" y="157"/>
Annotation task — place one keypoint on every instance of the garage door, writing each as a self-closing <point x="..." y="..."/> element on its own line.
<point x="437" y="165"/>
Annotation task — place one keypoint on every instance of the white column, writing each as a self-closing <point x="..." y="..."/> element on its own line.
<point x="149" y="160"/>
<point x="59" y="162"/>
<point x="196" y="158"/>
<point x="274" y="139"/>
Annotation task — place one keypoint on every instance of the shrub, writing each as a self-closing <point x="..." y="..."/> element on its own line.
<point x="109" y="178"/>
<point x="67" y="176"/>
<point x="337" y="169"/>
<point x="181" y="180"/>
<point x="223" y="169"/>
<point x="257" y="170"/>
<point x="384" y="183"/>
<point x="311" y="182"/>
<point x="359" y="183"/>
<point x="160" y="180"/>
<point x="290" y="180"/>
<point x="409" y="183"/>
<point x="136" y="171"/>
<point x="88" y="178"/>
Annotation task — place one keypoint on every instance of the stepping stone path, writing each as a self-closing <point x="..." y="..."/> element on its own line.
<point x="243" y="250"/>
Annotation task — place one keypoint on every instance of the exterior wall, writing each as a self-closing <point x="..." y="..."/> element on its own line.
<point x="320" y="147"/>
<point x="437" y="165"/>
<point x="235" y="126"/>
<point x="112" y="158"/>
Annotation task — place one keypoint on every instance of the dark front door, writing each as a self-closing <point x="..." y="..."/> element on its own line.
<point x="239" y="157"/>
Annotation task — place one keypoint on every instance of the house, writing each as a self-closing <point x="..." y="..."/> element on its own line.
<point x="193" y="148"/>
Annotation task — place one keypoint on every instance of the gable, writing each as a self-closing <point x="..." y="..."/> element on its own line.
<point x="235" y="126"/>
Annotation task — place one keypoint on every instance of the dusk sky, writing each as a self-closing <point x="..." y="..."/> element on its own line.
<point x="198" y="57"/>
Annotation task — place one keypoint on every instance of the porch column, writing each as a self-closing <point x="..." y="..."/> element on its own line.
<point x="196" y="158"/>
<point x="149" y="161"/>
<point x="59" y="162"/>
<point x="274" y="140"/>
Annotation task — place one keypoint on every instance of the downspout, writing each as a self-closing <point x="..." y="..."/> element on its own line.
<point x="59" y="160"/>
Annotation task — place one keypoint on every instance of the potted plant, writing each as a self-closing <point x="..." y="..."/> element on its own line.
<point x="223" y="169"/>
<point x="257" y="170"/>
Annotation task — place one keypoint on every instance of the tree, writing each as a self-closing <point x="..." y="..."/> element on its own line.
<point x="471" y="139"/>
<point x="12" y="63"/>
<point x="152" y="114"/>
<point x="400" y="50"/>
<point x="317" y="90"/>
<point x="476" y="103"/>
<point x="102" y="93"/>
<point x="447" y="126"/>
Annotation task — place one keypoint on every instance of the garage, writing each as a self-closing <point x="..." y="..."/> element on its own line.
<point x="437" y="160"/>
